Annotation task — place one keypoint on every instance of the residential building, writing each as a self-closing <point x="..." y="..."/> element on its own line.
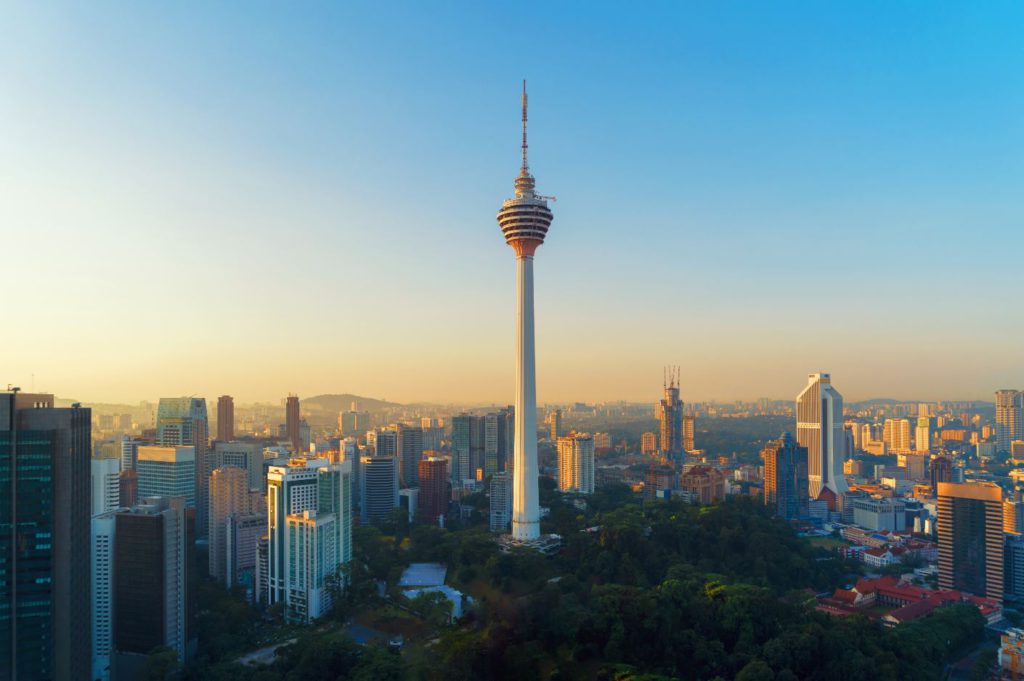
<point x="896" y="434"/>
<point x="45" y="620"/>
<point x="785" y="478"/>
<point x="247" y="456"/>
<point x="689" y="425"/>
<point x="434" y="495"/>
<point x="501" y="502"/>
<point x="225" y="418"/>
<point x="555" y="425"/>
<point x="970" y="529"/>
<point x="576" y="463"/>
<point x="649" y="443"/>
<point x="670" y="415"/>
<point x="1009" y="418"/>
<point x="705" y="485"/>
<point x="922" y="435"/>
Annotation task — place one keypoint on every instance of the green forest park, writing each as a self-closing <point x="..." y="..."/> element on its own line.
<point x="641" y="592"/>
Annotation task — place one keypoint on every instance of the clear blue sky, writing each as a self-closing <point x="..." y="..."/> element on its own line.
<point x="256" y="198"/>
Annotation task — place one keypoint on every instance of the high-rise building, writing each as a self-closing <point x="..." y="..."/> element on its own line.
<point x="154" y="582"/>
<point x="498" y="429"/>
<point x="410" y="451"/>
<point x="555" y="425"/>
<point x="464" y="431"/>
<point x="576" y="463"/>
<point x="785" y="478"/>
<point x="229" y="497"/>
<point x="658" y="479"/>
<point x="291" y="417"/>
<point x="106" y="488"/>
<point x="819" y="428"/>
<point x="434" y="490"/>
<point x="940" y="470"/>
<point x="922" y="434"/>
<point x="378" y="487"/>
<point x="129" y="453"/>
<point x="45" y="620"/>
<point x="524" y="221"/>
<point x="383" y="441"/>
<point x="649" y="443"/>
<point x="225" y="418"/>
<point x="1009" y="418"/>
<point x="1013" y="516"/>
<point x="670" y="415"/>
<point x="182" y="421"/>
<point x="689" y="425"/>
<point x="501" y="501"/>
<point x="167" y="472"/>
<point x="102" y="591"/>
<point x="245" y="455"/>
<point x="241" y="543"/>
<point x="309" y="523"/>
<point x="970" y="528"/>
<point x="128" y="488"/>
<point x="896" y="434"/>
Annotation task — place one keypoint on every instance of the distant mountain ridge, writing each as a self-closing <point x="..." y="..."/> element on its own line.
<point x="343" y="402"/>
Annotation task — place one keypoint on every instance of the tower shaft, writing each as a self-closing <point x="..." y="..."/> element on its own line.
<point x="525" y="496"/>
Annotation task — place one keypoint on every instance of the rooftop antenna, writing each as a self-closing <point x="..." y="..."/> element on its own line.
<point x="525" y="168"/>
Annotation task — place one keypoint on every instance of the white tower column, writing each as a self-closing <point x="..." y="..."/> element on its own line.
<point x="525" y="502"/>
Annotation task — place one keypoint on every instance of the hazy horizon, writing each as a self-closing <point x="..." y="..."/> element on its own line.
<point x="204" y="199"/>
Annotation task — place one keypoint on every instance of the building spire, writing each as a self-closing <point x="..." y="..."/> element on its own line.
<point x="525" y="170"/>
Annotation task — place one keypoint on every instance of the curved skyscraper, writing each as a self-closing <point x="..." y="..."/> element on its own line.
<point x="819" y="428"/>
<point x="524" y="220"/>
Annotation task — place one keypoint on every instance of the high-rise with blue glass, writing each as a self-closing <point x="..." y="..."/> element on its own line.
<point x="44" y="539"/>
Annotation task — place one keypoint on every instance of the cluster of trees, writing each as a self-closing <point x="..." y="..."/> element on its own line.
<point x="648" y="592"/>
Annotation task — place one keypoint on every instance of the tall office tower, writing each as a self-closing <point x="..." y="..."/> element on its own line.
<point x="524" y="221"/>
<point x="1013" y="516"/>
<point x="855" y="433"/>
<point x="106" y="489"/>
<point x="348" y="450"/>
<point x="241" y="543"/>
<point x="384" y="441"/>
<point x="154" y="582"/>
<point x="291" y="422"/>
<point x="940" y="470"/>
<point x="1009" y="418"/>
<point x="501" y="502"/>
<point x="896" y="434"/>
<point x="245" y="455"/>
<point x="866" y="436"/>
<point x="555" y="425"/>
<point x="309" y="522"/>
<point x="476" y="447"/>
<point x="347" y="423"/>
<point x="44" y="539"/>
<point x="970" y="526"/>
<point x="229" y="496"/>
<point x="128" y="488"/>
<point x="819" y="428"/>
<point x="129" y="453"/>
<point x="434" y="494"/>
<point x="167" y="472"/>
<point x="462" y="427"/>
<point x="225" y="418"/>
<point x="922" y="435"/>
<point x="494" y="436"/>
<point x="102" y="591"/>
<point x="785" y="478"/>
<point x="649" y="443"/>
<point x="689" y="426"/>
<point x="576" y="463"/>
<point x="182" y="421"/>
<point x="670" y="415"/>
<point x="378" y="487"/>
<point x="410" y="451"/>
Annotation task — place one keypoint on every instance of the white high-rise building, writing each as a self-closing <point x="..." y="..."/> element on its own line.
<point x="896" y="434"/>
<point x="309" y="522"/>
<point x="245" y="455"/>
<point x="102" y="592"/>
<point x="106" y="490"/>
<point x="129" y="453"/>
<point x="819" y="427"/>
<point x="1009" y="418"/>
<point x="524" y="221"/>
<point x="922" y="435"/>
<point x="576" y="463"/>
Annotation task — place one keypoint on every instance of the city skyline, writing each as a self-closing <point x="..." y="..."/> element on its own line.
<point x="252" y="185"/>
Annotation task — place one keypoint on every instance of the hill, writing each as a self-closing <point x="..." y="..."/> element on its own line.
<point x="343" y="402"/>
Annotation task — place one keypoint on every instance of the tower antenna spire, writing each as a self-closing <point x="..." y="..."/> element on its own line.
<point x="525" y="168"/>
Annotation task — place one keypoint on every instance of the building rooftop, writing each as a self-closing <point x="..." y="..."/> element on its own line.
<point x="423" y="574"/>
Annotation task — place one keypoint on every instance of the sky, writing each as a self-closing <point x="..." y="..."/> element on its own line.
<point x="263" y="198"/>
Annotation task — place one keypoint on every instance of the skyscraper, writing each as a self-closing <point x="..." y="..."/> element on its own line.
<point x="941" y="470"/>
<point x="819" y="428"/>
<point x="410" y="451"/>
<point x="106" y="485"/>
<point x="182" y="421"/>
<point x="291" y="416"/>
<point x="1009" y="418"/>
<point x="378" y="487"/>
<point x="670" y="415"/>
<point x="434" y="494"/>
<point x="154" y="582"/>
<point x="896" y="434"/>
<point x="576" y="463"/>
<point x="167" y="472"/>
<point x="225" y="418"/>
<point x="689" y="425"/>
<point x="501" y="502"/>
<point x="555" y="425"/>
<point x="102" y="591"/>
<point x="245" y="455"/>
<point x="45" y="620"/>
<point x="922" y="435"/>
<point x="970" y="527"/>
<point x="464" y="434"/>
<point x="524" y="220"/>
<point x="785" y="478"/>
<point x="229" y="496"/>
